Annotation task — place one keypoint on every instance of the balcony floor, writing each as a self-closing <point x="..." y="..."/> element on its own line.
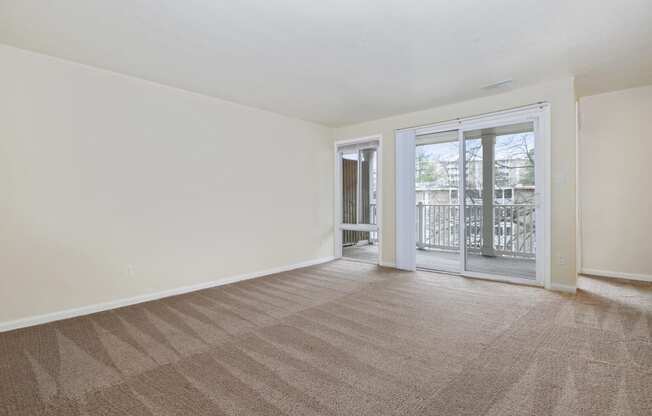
<point x="449" y="261"/>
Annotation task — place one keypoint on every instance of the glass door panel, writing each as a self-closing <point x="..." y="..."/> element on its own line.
<point x="499" y="201"/>
<point x="437" y="202"/>
<point x="349" y="168"/>
<point x="358" y="166"/>
<point x="367" y="186"/>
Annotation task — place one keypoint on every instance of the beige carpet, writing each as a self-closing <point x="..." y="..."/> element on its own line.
<point x="344" y="338"/>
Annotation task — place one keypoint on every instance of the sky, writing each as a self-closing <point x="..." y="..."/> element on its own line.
<point x="507" y="147"/>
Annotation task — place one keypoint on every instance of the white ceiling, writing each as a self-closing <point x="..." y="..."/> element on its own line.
<point x="344" y="61"/>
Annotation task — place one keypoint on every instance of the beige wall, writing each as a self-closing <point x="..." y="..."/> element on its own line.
<point x="100" y="171"/>
<point x="560" y="95"/>
<point x="614" y="181"/>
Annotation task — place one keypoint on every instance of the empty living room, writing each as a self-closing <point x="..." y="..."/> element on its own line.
<point x="336" y="207"/>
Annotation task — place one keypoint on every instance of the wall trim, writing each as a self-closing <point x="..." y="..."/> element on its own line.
<point x="617" y="275"/>
<point x="558" y="287"/>
<point x="104" y="306"/>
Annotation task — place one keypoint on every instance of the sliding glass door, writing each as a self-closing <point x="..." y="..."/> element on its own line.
<point x="499" y="202"/>
<point x="475" y="198"/>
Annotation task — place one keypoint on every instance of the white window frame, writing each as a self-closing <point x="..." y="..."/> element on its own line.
<point x="339" y="226"/>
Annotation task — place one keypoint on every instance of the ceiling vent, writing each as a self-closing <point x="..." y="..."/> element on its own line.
<point x="500" y="84"/>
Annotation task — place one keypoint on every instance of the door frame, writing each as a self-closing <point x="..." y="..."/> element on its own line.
<point x="539" y="114"/>
<point x="337" y="208"/>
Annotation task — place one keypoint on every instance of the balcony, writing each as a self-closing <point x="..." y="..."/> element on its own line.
<point x="512" y="251"/>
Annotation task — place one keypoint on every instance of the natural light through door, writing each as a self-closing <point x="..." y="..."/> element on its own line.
<point x="357" y="168"/>
<point x="500" y="200"/>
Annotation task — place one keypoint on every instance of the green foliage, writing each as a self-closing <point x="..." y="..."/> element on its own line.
<point x="425" y="167"/>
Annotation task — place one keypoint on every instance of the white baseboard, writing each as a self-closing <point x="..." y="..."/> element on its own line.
<point x="617" y="275"/>
<point x="387" y="264"/>
<point x="558" y="287"/>
<point x="99" y="307"/>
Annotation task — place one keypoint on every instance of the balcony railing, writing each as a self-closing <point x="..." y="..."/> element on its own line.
<point x="438" y="227"/>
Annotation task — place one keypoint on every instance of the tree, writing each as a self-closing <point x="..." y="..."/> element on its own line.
<point x="425" y="170"/>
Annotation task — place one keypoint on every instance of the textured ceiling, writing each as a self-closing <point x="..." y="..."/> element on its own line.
<point x="344" y="61"/>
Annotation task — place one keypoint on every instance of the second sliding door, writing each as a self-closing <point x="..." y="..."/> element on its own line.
<point x="357" y="165"/>
<point x="499" y="202"/>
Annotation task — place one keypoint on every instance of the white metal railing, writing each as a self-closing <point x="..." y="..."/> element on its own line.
<point x="438" y="227"/>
